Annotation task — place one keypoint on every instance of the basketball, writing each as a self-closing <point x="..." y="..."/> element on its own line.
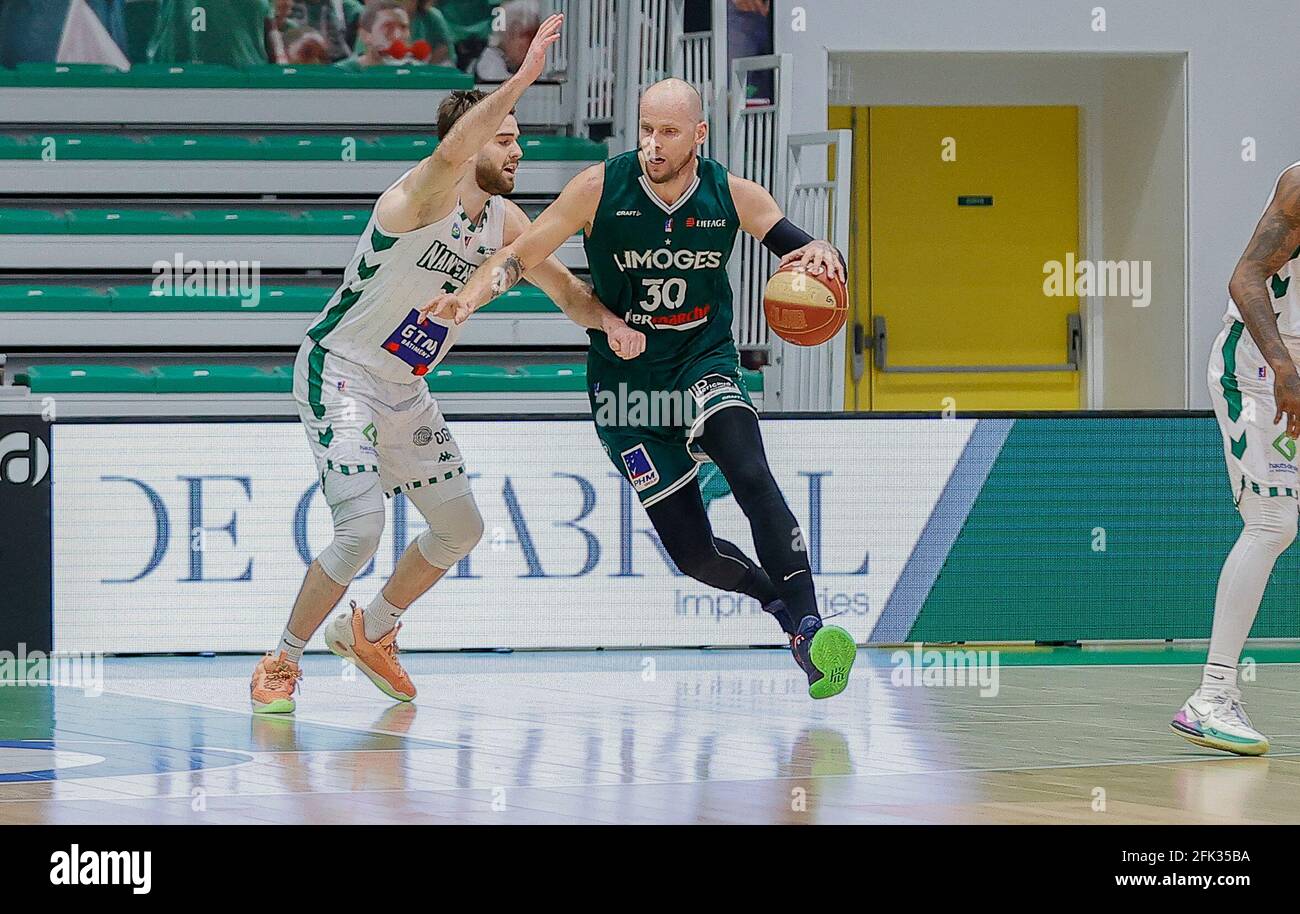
<point x="804" y="309"/>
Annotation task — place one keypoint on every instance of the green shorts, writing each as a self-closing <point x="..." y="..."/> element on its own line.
<point x="648" y="417"/>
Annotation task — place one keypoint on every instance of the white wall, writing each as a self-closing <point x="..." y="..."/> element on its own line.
<point x="1241" y="64"/>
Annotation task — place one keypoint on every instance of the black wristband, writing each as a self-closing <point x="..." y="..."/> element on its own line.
<point x="785" y="237"/>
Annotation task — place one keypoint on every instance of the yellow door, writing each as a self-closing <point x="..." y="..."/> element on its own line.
<point x="967" y="210"/>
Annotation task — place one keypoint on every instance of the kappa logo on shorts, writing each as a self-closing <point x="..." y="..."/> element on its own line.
<point x="641" y="470"/>
<point x="446" y="456"/>
<point x="423" y="435"/>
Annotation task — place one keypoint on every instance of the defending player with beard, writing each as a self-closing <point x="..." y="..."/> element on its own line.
<point x="359" y="382"/>
<point x="659" y="225"/>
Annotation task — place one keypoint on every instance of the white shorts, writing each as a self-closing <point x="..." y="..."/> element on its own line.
<point x="1260" y="456"/>
<point x="359" y="423"/>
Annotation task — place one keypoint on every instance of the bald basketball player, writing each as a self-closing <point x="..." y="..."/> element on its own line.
<point x="659" y="225"/>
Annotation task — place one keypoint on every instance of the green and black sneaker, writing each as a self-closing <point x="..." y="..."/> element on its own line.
<point x="826" y="653"/>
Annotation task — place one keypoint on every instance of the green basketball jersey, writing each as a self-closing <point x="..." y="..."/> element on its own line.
<point x="662" y="268"/>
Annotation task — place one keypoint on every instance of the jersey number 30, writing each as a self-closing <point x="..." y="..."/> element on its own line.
<point x="671" y="293"/>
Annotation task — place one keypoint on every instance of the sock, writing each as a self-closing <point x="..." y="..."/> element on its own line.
<point x="1216" y="678"/>
<point x="291" y="646"/>
<point x="380" y="616"/>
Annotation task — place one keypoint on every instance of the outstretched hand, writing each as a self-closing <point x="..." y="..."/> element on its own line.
<point x="535" y="61"/>
<point x="449" y="307"/>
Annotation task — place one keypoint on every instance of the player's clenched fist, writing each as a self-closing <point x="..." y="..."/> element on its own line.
<point x="625" y="342"/>
<point x="447" y="307"/>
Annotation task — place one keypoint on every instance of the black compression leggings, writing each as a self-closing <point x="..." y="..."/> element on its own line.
<point x="732" y="439"/>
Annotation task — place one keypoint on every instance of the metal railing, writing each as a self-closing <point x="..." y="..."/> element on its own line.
<point x="753" y="141"/>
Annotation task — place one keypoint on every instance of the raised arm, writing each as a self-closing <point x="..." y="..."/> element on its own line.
<point x="1276" y="241"/>
<point x="761" y="217"/>
<point x="427" y="191"/>
<point x="571" y="212"/>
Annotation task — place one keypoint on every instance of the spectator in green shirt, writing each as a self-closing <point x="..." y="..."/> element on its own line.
<point x="469" y="18"/>
<point x="236" y="33"/>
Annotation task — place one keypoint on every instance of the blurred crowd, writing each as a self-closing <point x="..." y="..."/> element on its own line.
<point x="351" y="34"/>
<point x="487" y="38"/>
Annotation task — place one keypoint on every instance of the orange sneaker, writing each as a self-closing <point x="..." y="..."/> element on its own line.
<point x="273" y="685"/>
<point x="346" y="636"/>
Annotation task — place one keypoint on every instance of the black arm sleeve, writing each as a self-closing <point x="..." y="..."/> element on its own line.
<point x="785" y="237"/>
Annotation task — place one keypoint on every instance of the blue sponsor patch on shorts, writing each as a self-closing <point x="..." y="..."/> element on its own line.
<point x="416" y="344"/>
<point x="641" y="470"/>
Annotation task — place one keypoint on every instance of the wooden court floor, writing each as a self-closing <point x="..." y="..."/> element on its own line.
<point x="1067" y="736"/>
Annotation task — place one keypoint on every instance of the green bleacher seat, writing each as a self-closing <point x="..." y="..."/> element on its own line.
<point x="403" y="148"/>
<point x="522" y="300"/>
<point x="291" y="148"/>
<point x="222" y="379"/>
<point x="271" y="299"/>
<point x="128" y="222"/>
<point x="85" y="146"/>
<point x="297" y="76"/>
<point x="287" y="298"/>
<point x="54" y="298"/>
<point x="246" y="222"/>
<point x="89" y="379"/>
<point x="200" y="146"/>
<point x="563" y="149"/>
<point x="32" y="222"/>
<point x="553" y="378"/>
<point x="185" y="76"/>
<point x="269" y="147"/>
<point x="217" y="76"/>
<point x="70" y="75"/>
<point x="468" y="378"/>
<point x="333" y="222"/>
<point x="411" y="77"/>
<point x="17" y="146"/>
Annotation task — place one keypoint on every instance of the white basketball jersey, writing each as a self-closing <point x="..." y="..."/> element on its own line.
<point x="1282" y="289"/>
<point x="373" y="317"/>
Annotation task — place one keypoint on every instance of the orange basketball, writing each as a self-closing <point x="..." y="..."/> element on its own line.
<point x="805" y="309"/>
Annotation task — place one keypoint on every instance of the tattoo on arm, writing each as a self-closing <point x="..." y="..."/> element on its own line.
<point x="1276" y="241"/>
<point x="505" y="276"/>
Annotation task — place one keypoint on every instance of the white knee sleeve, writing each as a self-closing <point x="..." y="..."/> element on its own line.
<point x="1269" y="521"/>
<point x="357" y="506"/>
<point x="455" y="527"/>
